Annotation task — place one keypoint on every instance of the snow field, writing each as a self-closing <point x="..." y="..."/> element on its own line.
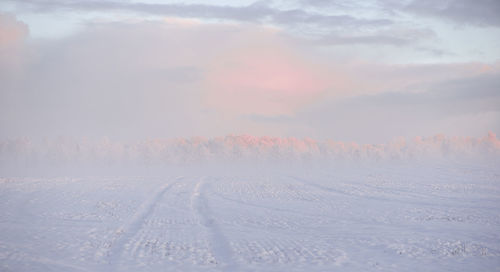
<point x="360" y="218"/>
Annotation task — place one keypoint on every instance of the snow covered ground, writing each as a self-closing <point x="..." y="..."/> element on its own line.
<point x="371" y="217"/>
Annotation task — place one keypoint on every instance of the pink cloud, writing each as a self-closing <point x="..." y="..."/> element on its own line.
<point x="12" y="31"/>
<point x="12" y="36"/>
<point x="181" y="77"/>
<point x="263" y="76"/>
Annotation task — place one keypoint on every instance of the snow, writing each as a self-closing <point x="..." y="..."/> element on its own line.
<point x="392" y="216"/>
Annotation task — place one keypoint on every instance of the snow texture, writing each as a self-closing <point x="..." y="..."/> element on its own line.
<point x="308" y="206"/>
<point x="398" y="217"/>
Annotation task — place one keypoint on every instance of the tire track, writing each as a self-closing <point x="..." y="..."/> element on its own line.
<point x="372" y="197"/>
<point x="218" y="241"/>
<point x="128" y="230"/>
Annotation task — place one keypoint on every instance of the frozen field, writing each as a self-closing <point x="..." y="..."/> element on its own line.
<point x="419" y="218"/>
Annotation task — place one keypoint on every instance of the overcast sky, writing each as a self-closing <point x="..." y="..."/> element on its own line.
<point x="364" y="71"/>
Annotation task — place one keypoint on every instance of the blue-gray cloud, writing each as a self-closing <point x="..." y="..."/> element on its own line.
<point x="397" y="38"/>
<point x="482" y="13"/>
<point x="478" y="12"/>
<point x="257" y="12"/>
<point x="339" y="26"/>
<point x="410" y="113"/>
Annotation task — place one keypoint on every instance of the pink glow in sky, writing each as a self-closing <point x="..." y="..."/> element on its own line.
<point x="267" y="80"/>
<point x="302" y="69"/>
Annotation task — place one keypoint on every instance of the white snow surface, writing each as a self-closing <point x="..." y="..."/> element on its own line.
<point x="377" y="216"/>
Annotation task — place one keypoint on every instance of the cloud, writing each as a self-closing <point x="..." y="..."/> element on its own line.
<point x="462" y="106"/>
<point x="477" y="13"/>
<point x="483" y="88"/>
<point x="397" y="37"/>
<point x="13" y="33"/>
<point x="178" y="78"/>
<point x="264" y="76"/>
<point x="482" y="13"/>
<point x="256" y="12"/>
<point x="156" y="78"/>
<point x="324" y="26"/>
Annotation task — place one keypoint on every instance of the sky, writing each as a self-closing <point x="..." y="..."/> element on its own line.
<point x="363" y="71"/>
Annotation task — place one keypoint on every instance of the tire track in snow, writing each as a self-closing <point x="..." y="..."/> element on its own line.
<point x="219" y="243"/>
<point x="372" y="197"/>
<point x="128" y="230"/>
